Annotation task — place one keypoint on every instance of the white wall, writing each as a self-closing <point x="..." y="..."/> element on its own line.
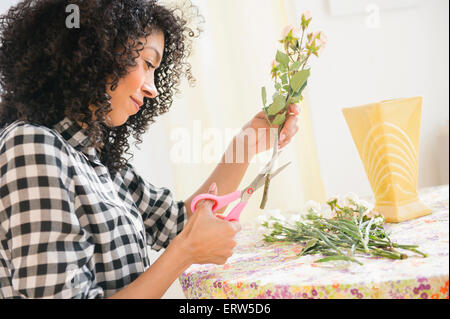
<point x="6" y="4"/>
<point x="407" y="55"/>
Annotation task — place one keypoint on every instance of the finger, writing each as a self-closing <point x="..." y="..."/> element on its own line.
<point x="293" y="108"/>
<point x="260" y="115"/>
<point x="291" y="123"/>
<point x="209" y="203"/>
<point x="236" y="226"/>
<point x="287" y="140"/>
<point x="289" y="128"/>
<point x="289" y="132"/>
<point x="213" y="189"/>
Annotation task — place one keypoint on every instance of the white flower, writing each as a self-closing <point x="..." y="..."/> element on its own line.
<point x="271" y="216"/>
<point x="280" y="218"/>
<point x="366" y="205"/>
<point x="379" y="221"/>
<point x="327" y="213"/>
<point x="312" y="205"/>
<point x="323" y="40"/>
<point x="262" y="219"/>
<point x="351" y="199"/>
<point x="276" y="213"/>
<point x="332" y="198"/>
<point x="295" y="218"/>
<point x="270" y="212"/>
<point x="264" y="231"/>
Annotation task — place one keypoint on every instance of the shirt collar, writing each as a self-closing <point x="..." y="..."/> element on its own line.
<point x="76" y="136"/>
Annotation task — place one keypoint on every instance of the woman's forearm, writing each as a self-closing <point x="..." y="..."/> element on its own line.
<point x="228" y="173"/>
<point x="155" y="281"/>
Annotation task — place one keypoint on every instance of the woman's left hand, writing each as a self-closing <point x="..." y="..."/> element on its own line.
<point x="262" y="128"/>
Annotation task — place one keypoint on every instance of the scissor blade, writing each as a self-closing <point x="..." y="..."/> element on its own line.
<point x="279" y="170"/>
<point x="268" y="168"/>
<point x="259" y="182"/>
<point x="272" y="175"/>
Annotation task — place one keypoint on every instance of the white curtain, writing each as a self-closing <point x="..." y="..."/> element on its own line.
<point x="231" y="62"/>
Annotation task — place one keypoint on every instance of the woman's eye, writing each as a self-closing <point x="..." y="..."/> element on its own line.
<point x="149" y="65"/>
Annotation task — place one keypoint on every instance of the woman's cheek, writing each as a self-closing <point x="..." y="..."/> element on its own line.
<point x="134" y="80"/>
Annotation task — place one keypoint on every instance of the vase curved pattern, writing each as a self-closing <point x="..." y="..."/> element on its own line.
<point x="387" y="135"/>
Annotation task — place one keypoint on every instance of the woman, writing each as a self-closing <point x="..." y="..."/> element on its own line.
<point x="75" y="217"/>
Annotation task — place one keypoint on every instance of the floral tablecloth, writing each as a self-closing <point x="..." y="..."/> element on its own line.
<point x="261" y="270"/>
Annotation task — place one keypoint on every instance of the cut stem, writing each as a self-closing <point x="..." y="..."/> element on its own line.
<point x="266" y="191"/>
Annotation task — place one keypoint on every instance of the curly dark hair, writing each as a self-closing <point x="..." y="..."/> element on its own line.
<point x="48" y="71"/>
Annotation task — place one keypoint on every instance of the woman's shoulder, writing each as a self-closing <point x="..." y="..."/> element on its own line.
<point x="21" y="132"/>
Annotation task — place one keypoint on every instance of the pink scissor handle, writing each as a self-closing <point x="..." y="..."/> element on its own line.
<point x="236" y="212"/>
<point x="220" y="201"/>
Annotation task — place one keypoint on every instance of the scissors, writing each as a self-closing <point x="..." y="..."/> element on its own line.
<point x="244" y="195"/>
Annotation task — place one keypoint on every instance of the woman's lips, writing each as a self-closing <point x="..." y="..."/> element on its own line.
<point x="136" y="105"/>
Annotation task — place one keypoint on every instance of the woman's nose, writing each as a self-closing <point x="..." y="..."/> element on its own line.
<point x="149" y="90"/>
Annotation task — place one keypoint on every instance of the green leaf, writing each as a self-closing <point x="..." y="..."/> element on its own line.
<point x="282" y="58"/>
<point x="334" y="258"/>
<point x="277" y="86"/>
<point x="284" y="78"/>
<point x="299" y="92"/>
<point x="295" y="99"/>
<point x="279" y="119"/>
<point x="296" y="65"/>
<point x="277" y="105"/>
<point x="309" y="244"/>
<point x="264" y="95"/>
<point x="299" y="79"/>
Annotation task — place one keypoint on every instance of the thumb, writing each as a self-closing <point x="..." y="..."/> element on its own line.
<point x="213" y="189"/>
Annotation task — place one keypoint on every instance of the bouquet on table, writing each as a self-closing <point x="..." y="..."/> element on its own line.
<point x="339" y="231"/>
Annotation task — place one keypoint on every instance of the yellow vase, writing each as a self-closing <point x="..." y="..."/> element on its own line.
<point x="387" y="135"/>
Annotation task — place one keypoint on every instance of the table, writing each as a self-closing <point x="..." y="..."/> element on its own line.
<point x="262" y="270"/>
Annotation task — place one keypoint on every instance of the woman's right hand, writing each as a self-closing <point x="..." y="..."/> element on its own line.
<point x="207" y="238"/>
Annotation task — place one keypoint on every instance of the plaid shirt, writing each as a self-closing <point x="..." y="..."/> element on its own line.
<point x="69" y="229"/>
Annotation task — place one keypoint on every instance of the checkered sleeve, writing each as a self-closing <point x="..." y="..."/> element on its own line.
<point x="163" y="217"/>
<point x="44" y="248"/>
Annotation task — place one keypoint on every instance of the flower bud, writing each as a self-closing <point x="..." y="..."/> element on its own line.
<point x="307" y="15"/>
<point x="275" y="63"/>
<point x="306" y="19"/>
<point x="333" y="199"/>
<point x="295" y="32"/>
<point x="323" y="40"/>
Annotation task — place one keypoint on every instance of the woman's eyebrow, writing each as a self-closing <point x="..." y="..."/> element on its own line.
<point x="158" y="55"/>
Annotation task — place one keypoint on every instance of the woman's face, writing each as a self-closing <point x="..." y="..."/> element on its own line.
<point x="129" y="95"/>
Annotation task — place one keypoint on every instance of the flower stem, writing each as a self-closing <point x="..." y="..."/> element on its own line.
<point x="265" y="194"/>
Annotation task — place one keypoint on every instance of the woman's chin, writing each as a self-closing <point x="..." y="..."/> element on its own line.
<point x="118" y="119"/>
